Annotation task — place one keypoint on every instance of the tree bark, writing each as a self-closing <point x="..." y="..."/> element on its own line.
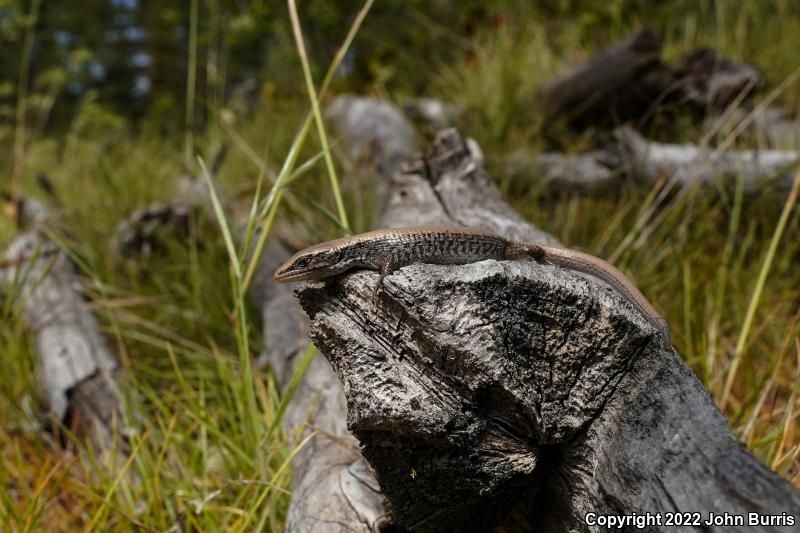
<point x="519" y="397"/>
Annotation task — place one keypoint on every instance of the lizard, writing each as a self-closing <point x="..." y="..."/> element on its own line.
<point x="387" y="250"/>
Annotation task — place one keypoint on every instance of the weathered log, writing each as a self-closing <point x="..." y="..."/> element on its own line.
<point x="432" y="115"/>
<point x="621" y="81"/>
<point x="707" y="79"/>
<point x="151" y="228"/>
<point x="519" y="396"/>
<point x="629" y="81"/>
<point x="374" y="131"/>
<point x="456" y="172"/>
<point x="334" y="488"/>
<point x="561" y="171"/>
<point x="77" y="368"/>
<point x="688" y="163"/>
<point x="629" y="154"/>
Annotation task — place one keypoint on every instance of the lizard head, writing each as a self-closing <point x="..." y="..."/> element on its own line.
<point x="311" y="263"/>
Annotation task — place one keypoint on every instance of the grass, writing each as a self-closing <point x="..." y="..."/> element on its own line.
<point x="209" y="450"/>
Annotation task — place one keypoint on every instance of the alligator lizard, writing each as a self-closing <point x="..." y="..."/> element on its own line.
<point x="389" y="249"/>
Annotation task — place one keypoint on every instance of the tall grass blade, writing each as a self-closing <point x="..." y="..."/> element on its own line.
<point x="219" y="212"/>
<point x="756" y="297"/>
<point x="191" y="87"/>
<point x="312" y="96"/>
<point x="22" y="107"/>
<point x="274" y="197"/>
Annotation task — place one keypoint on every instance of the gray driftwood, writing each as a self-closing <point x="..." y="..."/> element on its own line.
<point x="629" y="154"/>
<point x="373" y="131"/>
<point x="76" y="365"/>
<point x="688" y="163"/>
<point x="559" y="171"/>
<point x="519" y="396"/>
<point x="432" y="115"/>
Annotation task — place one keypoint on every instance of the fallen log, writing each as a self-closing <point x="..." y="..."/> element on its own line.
<point x="689" y="163"/>
<point x="431" y="115"/>
<point x="629" y="81"/>
<point x="79" y="374"/>
<point x="706" y="79"/>
<point x="374" y="132"/>
<point x="333" y="486"/>
<point x="629" y="154"/>
<point x="151" y="228"/>
<point x="621" y="81"/>
<point x="579" y="171"/>
<point x="522" y="397"/>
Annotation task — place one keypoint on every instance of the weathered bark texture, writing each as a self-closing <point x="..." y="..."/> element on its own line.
<point x="455" y="177"/>
<point x="519" y="396"/>
<point x="76" y="365"/>
<point x="629" y="81"/>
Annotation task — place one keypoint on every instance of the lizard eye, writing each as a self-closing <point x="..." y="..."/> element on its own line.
<point x="303" y="262"/>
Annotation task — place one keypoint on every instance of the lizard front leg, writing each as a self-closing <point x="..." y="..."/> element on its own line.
<point x="386" y="265"/>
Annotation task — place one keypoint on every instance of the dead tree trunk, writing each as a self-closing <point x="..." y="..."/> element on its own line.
<point x="518" y="396"/>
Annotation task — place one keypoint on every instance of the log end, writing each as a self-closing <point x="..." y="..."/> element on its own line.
<point x="459" y="378"/>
